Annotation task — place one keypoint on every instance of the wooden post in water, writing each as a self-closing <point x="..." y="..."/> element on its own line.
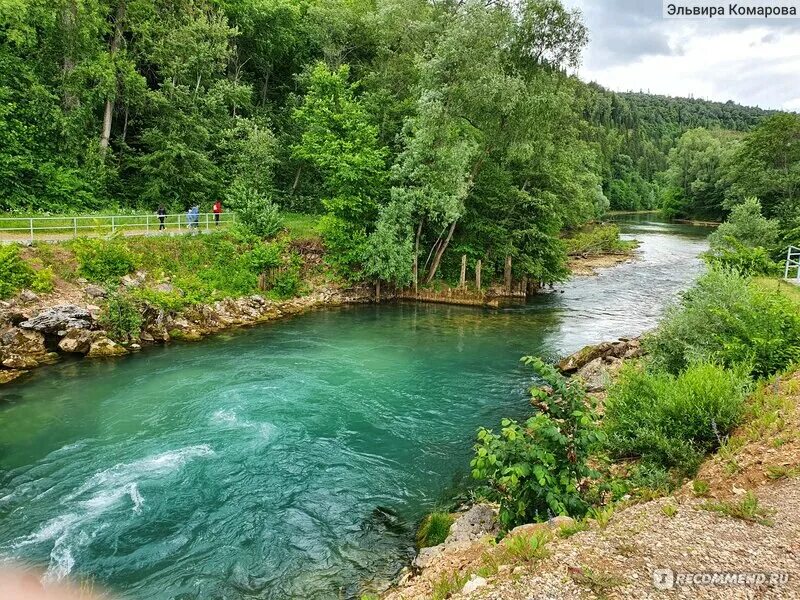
<point x="478" y="276"/>
<point x="463" y="281"/>
<point x="416" y="274"/>
<point x="508" y="274"/>
<point x="378" y="290"/>
<point x="524" y="286"/>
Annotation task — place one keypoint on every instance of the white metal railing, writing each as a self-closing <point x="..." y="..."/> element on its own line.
<point x="54" y="228"/>
<point x="792" y="262"/>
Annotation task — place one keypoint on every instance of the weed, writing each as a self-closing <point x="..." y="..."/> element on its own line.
<point x="748" y="509"/>
<point x="669" y="509"/>
<point x="700" y="488"/>
<point x="602" y="515"/>
<point x="529" y="547"/>
<point x="571" y="529"/>
<point x="600" y="583"/>
<point x="782" y="472"/>
<point x="449" y="584"/>
<point x="434" y="529"/>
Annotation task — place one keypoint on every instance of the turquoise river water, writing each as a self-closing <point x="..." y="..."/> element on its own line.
<point x="291" y="460"/>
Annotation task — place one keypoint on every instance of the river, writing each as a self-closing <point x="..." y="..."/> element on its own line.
<point x="291" y="460"/>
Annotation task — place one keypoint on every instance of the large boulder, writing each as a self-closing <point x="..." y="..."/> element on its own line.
<point x="9" y="375"/>
<point x="622" y="348"/>
<point x="599" y="374"/>
<point x="21" y="349"/>
<point x="59" y="319"/>
<point x="77" y="341"/>
<point x="103" y="346"/>
<point x="478" y="522"/>
<point x="95" y="291"/>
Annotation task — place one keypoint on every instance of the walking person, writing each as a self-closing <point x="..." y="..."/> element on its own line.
<point x="217" y="210"/>
<point x="162" y="215"/>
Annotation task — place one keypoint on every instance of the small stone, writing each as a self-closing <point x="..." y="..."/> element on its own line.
<point x="473" y="584"/>
<point x="28" y="296"/>
<point x="135" y="347"/>
<point x="165" y="288"/>
<point x="95" y="291"/>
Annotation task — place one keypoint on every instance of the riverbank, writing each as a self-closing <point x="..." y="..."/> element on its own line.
<point x="740" y="513"/>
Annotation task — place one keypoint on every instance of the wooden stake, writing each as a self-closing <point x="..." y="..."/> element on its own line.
<point x="508" y="274"/>
<point x="463" y="281"/>
<point x="478" y="276"/>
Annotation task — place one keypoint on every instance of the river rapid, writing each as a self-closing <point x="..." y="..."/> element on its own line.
<point x="294" y="459"/>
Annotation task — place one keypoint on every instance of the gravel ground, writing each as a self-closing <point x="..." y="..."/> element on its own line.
<point x="619" y="561"/>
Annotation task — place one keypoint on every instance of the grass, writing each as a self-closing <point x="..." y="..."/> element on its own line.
<point x="669" y="510"/>
<point x="301" y="226"/>
<point x="531" y="547"/>
<point x="571" y="529"/>
<point x="434" y="529"/>
<point x="602" y="515"/>
<point x="700" y="488"/>
<point x="782" y="472"/>
<point x="600" y="583"/>
<point x="448" y="584"/>
<point x="747" y="509"/>
<point x="788" y="290"/>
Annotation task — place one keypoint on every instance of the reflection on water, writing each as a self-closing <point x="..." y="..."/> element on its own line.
<point x="290" y="460"/>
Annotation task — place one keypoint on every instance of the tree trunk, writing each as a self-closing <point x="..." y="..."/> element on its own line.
<point x="69" y="19"/>
<point x="116" y="41"/>
<point x="296" y="179"/>
<point x="439" y="253"/>
<point x="416" y="256"/>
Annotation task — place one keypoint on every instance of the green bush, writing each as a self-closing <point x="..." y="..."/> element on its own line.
<point x="434" y="529"/>
<point x="255" y="211"/>
<point x="596" y="239"/>
<point x="265" y="256"/>
<point x="121" y="317"/>
<point x="727" y="319"/>
<point x="15" y="273"/>
<point x="743" y="260"/>
<point x="535" y="469"/>
<point x="42" y="281"/>
<point x="673" y="421"/>
<point x="288" y="283"/>
<point x="103" y="260"/>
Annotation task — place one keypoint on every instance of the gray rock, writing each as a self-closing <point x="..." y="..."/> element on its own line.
<point x="59" y="319"/>
<point x="427" y="556"/>
<point x="95" y="291"/>
<point x="28" y="296"/>
<point x="165" y="288"/>
<point x="477" y="522"/>
<point x="19" y="361"/>
<point x="598" y="374"/>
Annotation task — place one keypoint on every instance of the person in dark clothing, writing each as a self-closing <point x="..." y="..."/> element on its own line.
<point x="162" y="215"/>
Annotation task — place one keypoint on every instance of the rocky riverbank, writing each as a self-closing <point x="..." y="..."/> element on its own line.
<point x="36" y="331"/>
<point x="739" y="515"/>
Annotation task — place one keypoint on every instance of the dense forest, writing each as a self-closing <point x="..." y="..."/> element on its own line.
<point x="415" y="128"/>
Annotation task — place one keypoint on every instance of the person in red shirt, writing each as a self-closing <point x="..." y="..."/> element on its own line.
<point x="217" y="210"/>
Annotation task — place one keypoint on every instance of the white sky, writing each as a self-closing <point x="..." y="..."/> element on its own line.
<point x="632" y="48"/>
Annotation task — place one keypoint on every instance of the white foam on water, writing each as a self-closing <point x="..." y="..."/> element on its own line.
<point x="229" y="417"/>
<point x="105" y="489"/>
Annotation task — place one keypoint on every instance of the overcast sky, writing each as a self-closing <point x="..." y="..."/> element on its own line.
<point x="633" y="48"/>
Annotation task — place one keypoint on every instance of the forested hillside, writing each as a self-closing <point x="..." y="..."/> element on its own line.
<point x="416" y="129"/>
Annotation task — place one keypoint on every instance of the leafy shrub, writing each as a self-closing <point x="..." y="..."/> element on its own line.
<point x="596" y="239"/>
<point x="743" y="260"/>
<point x="529" y="547"/>
<point x="535" y="469"/>
<point x="103" y="260"/>
<point x="434" y="529"/>
<point x="121" y="317"/>
<point x="265" y="256"/>
<point x="673" y="421"/>
<point x="42" y="281"/>
<point x="287" y="283"/>
<point x="346" y="245"/>
<point x="727" y="319"/>
<point x="15" y="273"/>
<point x="255" y="211"/>
<point x="746" y="227"/>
